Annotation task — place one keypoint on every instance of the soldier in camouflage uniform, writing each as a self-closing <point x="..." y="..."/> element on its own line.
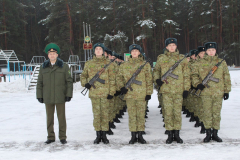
<point x="185" y="99"/>
<point x="174" y="92"/>
<point x="201" y="54"/>
<point x="212" y="97"/>
<point x="117" y="100"/>
<point x="136" y="99"/>
<point x="100" y="95"/>
<point x="108" y="54"/>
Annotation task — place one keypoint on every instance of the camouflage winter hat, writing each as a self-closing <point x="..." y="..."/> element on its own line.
<point x="135" y="46"/>
<point x="98" y="45"/>
<point x="201" y="49"/>
<point x="108" y="51"/>
<point x="209" y="45"/>
<point x="170" y="40"/>
<point x="194" y="52"/>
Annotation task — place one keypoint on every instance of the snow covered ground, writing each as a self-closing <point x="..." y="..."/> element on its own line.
<point x="23" y="130"/>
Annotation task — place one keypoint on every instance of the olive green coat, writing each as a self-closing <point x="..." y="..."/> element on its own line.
<point x="54" y="82"/>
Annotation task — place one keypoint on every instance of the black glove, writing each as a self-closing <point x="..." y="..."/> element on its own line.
<point x="148" y="97"/>
<point x="88" y="86"/>
<point x="117" y="93"/>
<point x="40" y="100"/>
<point x="68" y="99"/>
<point x="200" y="86"/>
<point x="226" y="96"/>
<point x="124" y="90"/>
<point x="192" y="87"/>
<point x="109" y="97"/>
<point x="159" y="82"/>
<point x="185" y="94"/>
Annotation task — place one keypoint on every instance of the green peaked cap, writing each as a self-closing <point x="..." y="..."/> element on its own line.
<point x="52" y="46"/>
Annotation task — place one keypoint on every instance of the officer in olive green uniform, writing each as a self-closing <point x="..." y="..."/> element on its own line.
<point x="101" y="93"/>
<point x="136" y="98"/>
<point x="54" y="88"/>
<point x="212" y="97"/>
<point x="173" y="92"/>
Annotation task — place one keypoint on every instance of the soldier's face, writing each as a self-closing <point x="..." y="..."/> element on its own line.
<point x="193" y="56"/>
<point x="172" y="47"/>
<point x="98" y="51"/>
<point x="105" y="54"/>
<point x="52" y="56"/>
<point x="211" y="51"/>
<point x="201" y="54"/>
<point x="109" y="56"/>
<point x="188" y="59"/>
<point x="135" y="53"/>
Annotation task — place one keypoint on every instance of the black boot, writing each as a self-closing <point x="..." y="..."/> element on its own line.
<point x="116" y="120"/>
<point x="166" y="132"/>
<point x="188" y="114"/>
<point x="98" y="139"/>
<point x="185" y="111"/>
<point x="161" y="111"/>
<point x="63" y="141"/>
<point x="215" y="136"/>
<point x="170" y="137"/>
<point x="173" y="138"/>
<point x="146" y="116"/>
<point x="159" y="106"/>
<point x="164" y="125"/>
<point x="177" y="137"/>
<point x="104" y="137"/>
<point x="119" y="116"/>
<point x="208" y="137"/>
<point x="125" y="109"/>
<point x="110" y="132"/>
<point x="143" y="132"/>
<point x="140" y="138"/>
<point x="112" y="125"/>
<point x="134" y="138"/>
<point x="49" y="141"/>
<point x="122" y="112"/>
<point x="203" y="130"/>
<point x="192" y="119"/>
<point x="197" y="124"/>
<point x="147" y="110"/>
<point x="183" y="108"/>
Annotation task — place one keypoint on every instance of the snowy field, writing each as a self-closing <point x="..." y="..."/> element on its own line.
<point x="23" y="131"/>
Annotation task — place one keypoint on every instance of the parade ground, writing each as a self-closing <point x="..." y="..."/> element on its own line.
<point x="23" y="130"/>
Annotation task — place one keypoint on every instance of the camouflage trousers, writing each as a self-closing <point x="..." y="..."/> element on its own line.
<point x="212" y="106"/>
<point x="172" y="108"/>
<point x="190" y="103"/>
<point x="162" y="105"/>
<point x="136" y="112"/>
<point x="111" y="112"/>
<point x="117" y="105"/>
<point x="200" y="109"/>
<point x="195" y="106"/>
<point x="100" y="107"/>
<point x="184" y="102"/>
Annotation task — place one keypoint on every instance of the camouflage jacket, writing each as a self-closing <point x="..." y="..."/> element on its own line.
<point x="201" y="69"/>
<point x="90" y="69"/>
<point x="164" y="62"/>
<point x="127" y="69"/>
